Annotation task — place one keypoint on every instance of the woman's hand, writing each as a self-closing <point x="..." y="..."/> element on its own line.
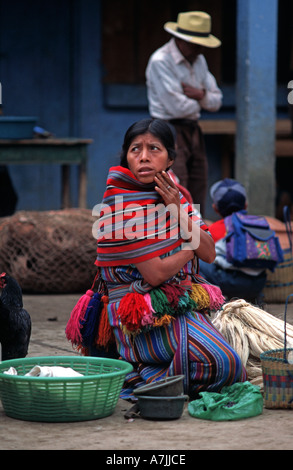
<point x="199" y="241"/>
<point x="167" y="190"/>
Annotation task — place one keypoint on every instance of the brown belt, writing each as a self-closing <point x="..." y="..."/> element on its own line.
<point x="183" y="122"/>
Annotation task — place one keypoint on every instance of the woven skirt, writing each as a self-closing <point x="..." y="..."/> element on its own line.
<point x="189" y="345"/>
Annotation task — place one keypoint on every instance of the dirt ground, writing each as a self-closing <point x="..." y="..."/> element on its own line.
<point x="272" y="430"/>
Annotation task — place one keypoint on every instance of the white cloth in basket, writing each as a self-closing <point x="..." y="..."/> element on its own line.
<point x="46" y="371"/>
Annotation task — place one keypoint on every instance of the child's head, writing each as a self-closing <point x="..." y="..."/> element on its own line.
<point x="228" y="196"/>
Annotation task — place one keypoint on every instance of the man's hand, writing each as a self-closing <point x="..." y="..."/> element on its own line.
<point x="192" y="92"/>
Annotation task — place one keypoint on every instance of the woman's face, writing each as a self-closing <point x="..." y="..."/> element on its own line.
<point x="146" y="157"/>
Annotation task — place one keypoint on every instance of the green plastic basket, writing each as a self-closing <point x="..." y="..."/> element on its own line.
<point x="61" y="399"/>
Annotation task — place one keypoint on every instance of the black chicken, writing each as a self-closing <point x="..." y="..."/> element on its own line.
<point x="15" y="322"/>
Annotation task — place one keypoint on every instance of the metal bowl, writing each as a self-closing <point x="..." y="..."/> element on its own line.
<point x="160" y="408"/>
<point x="169" y="386"/>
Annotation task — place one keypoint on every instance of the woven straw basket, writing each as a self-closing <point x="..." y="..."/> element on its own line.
<point x="279" y="284"/>
<point x="278" y="375"/>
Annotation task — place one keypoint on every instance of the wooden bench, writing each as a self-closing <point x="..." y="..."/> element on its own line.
<point x="227" y="129"/>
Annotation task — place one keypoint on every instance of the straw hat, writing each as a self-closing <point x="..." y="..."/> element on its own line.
<point x="193" y="26"/>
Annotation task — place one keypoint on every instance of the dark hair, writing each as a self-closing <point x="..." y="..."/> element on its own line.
<point x="156" y="127"/>
<point x="226" y="206"/>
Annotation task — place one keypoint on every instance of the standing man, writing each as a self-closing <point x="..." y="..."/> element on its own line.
<point x="179" y="85"/>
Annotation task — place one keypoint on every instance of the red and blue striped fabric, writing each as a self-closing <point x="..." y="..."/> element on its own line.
<point x="134" y="224"/>
<point x="188" y="345"/>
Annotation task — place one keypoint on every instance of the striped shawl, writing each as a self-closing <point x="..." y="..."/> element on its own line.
<point x="134" y="224"/>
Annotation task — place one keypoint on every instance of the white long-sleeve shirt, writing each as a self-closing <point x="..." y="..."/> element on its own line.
<point x="166" y="70"/>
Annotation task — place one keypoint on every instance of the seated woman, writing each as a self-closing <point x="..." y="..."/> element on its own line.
<point x="229" y="197"/>
<point x="149" y="240"/>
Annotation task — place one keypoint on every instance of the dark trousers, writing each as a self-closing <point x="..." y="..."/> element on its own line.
<point x="233" y="283"/>
<point x="191" y="165"/>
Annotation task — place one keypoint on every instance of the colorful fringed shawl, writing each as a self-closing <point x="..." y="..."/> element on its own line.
<point x="134" y="224"/>
<point x="139" y="211"/>
<point x="140" y="307"/>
